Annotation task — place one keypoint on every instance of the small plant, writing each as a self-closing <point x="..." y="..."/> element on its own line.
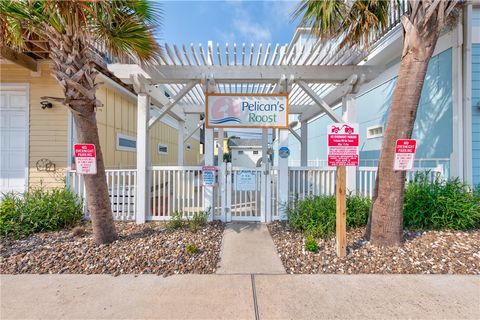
<point x="316" y="215"/>
<point x="440" y="204"/>
<point x="191" y="248"/>
<point x="310" y="243"/>
<point x="38" y="210"/>
<point x="198" y="220"/>
<point x="176" y="221"/>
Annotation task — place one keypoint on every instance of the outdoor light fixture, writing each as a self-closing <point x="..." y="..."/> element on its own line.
<point x="46" y="104"/>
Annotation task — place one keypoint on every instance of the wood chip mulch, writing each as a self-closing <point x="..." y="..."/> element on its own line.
<point x="147" y="248"/>
<point x="423" y="252"/>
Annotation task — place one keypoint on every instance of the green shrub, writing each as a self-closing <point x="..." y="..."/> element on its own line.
<point x="191" y="248"/>
<point x="198" y="220"/>
<point x="440" y="205"/>
<point x="316" y="214"/>
<point x="38" y="210"/>
<point x="176" y="221"/>
<point x="310" y="243"/>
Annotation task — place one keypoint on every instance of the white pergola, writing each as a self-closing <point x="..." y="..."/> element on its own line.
<point x="317" y="77"/>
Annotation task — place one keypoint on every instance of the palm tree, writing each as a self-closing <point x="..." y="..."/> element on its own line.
<point x="124" y="27"/>
<point x="351" y="22"/>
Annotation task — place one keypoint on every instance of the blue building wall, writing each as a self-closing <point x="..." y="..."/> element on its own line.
<point x="476" y="112"/>
<point x="433" y="126"/>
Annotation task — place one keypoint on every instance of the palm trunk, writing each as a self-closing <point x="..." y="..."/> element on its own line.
<point x="75" y="73"/>
<point x="98" y="200"/>
<point x="385" y="226"/>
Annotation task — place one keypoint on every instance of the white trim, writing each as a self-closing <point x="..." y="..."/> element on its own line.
<point x="456" y="157"/>
<point x="467" y="96"/>
<point x="162" y="152"/>
<point x="126" y="137"/>
<point x="23" y="86"/>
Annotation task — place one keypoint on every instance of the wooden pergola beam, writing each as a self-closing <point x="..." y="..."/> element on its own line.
<point x="19" y="58"/>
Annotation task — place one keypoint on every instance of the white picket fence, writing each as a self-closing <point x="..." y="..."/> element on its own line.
<point x="314" y="181"/>
<point x="175" y="189"/>
<point x="179" y="188"/>
<point x="121" y="189"/>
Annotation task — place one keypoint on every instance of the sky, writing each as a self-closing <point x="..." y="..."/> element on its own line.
<point x="185" y="22"/>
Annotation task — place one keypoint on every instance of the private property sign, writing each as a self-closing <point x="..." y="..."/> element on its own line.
<point x="404" y="154"/>
<point x="343" y="144"/>
<point x="246" y="111"/>
<point x="85" y="158"/>
<point x="208" y="176"/>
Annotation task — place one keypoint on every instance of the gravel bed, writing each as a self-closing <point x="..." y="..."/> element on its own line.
<point x="423" y="252"/>
<point x="146" y="248"/>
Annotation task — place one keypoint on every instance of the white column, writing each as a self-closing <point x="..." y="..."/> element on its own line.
<point x="142" y="194"/>
<point x="349" y="114"/>
<point x="282" y="174"/>
<point x="304" y="144"/>
<point x="208" y="201"/>
<point x="181" y="142"/>
<point x="221" y="176"/>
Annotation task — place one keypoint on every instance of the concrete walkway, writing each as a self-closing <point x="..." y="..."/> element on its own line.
<point x="240" y="297"/>
<point x="247" y="248"/>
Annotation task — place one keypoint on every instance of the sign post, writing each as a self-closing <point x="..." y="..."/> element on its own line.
<point x="85" y="158"/>
<point x="342" y="152"/>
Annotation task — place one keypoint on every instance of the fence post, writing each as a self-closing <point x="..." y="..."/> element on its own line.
<point x="283" y="183"/>
<point x="143" y="106"/>
<point x="228" y="205"/>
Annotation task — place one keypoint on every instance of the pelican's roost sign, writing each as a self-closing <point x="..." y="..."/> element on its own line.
<point x="247" y="111"/>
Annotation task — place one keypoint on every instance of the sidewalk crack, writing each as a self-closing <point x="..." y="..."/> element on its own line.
<point x="255" y="302"/>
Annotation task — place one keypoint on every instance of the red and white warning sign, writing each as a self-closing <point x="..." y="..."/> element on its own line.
<point x="85" y="158"/>
<point x="404" y="154"/>
<point x="343" y="144"/>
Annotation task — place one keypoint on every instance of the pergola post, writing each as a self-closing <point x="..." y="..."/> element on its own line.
<point x="282" y="173"/>
<point x="181" y="143"/>
<point x="221" y="175"/>
<point x="265" y="182"/>
<point x="349" y="114"/>
<point x="304" y="144"/>
<point x="208" y="159"/>
<point x="142" y="192"/>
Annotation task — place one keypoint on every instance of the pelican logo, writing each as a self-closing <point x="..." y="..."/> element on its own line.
<point x="225" y="110"/>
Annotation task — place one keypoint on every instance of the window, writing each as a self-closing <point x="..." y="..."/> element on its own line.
<point x="375" y="132"/>
<point x="255" y="152"/>
<point x="126" y="143"/>
<point x="240" y="151"/>
<point x="162" y="148"/>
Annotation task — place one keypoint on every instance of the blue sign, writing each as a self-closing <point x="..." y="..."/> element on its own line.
<point x="208" y="174"/>
<point x="284" y="152"/>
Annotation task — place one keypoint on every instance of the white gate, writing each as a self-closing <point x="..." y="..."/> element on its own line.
<point x="250" y="194"/>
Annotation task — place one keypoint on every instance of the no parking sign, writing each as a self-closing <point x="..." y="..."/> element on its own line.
<point x="85" y="158"/>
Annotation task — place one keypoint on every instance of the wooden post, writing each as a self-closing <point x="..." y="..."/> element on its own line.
<point x="341" y="213"/>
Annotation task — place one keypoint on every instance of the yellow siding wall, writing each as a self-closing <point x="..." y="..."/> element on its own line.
<point x="118" y="115"/>
<point x="48" y="136"/>
<point x="49" y="128"/>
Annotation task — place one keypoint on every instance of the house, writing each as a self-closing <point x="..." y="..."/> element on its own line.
<point x="37" y="136"/>
<point x="447" y="127"/>
<point x="246" y="153"/>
